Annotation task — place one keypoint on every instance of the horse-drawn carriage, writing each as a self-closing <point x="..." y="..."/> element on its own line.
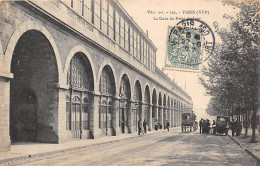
<point x="188" y="121"/>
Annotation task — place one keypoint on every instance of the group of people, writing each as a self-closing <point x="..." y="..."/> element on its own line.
<point x="158" y="125"/>
<point x="205" y="125"/>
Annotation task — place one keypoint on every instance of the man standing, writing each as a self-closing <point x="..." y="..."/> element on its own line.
<point x="139" y="127"/>
<point x="200" y="124"/>
<point x="144" y="125"/>
<point x="168" y="125"/>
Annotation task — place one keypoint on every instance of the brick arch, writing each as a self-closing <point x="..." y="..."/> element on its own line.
<point x="154" y="99"/>
<point x="133" y="89"/>
<point x="26" y="26"/>
<point x="102" y="66"/>
<point x="72" y="52"/>
<point x="147" y="87"/>
<point x="119" y="82"/>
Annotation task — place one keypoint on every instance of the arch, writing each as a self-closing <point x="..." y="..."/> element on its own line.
<point x="80" y="49"/>
<point x="104" y="64"/>
<point x="164" y="100"/>
<point x="127" y="91"/>
<point x="138" y="91"/>
<point x="34" y="64"/>
<point x="107" y="71"/>
<point x="160" y="99"/>
<point x="154" y="97"/>
<point x="26" y="26"/>
<point x="147" y="97"/>
<point x="124" y="73"/>
<point x="124" y="104"/>
<point x="168" y="102"/>
<point x="82" y="71"/>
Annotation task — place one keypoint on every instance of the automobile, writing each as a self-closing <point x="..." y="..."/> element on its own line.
<point x="221" y="126"/>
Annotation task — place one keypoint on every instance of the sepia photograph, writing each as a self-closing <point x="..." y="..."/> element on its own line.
<point x="129" y="83"/>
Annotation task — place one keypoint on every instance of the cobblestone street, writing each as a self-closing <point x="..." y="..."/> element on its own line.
<point x="164" y="149"/>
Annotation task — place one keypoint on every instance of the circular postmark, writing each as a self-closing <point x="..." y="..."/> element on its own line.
<point x="190" y="42"/>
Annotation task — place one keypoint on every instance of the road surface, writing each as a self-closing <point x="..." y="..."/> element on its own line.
<point x="159" y="149"/>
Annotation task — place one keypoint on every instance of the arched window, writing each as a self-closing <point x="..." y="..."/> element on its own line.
<point x="77" y="75"/>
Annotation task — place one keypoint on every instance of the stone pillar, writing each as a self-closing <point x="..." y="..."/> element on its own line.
<point x="150" y="118"/>
<point x="5" y="142"/>
<point x="94" y="122"/>
<point x="169" y="118"/>
<point x="115" y="116"/>
<point x="129" y="118"/>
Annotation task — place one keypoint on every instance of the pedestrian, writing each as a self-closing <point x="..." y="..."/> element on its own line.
<point x="144" y="126"/>
<point x="200" y="124"/>
<point x="168" y="125"/>
<point x="156" y="125"/>
<point x="204" y="126"/>
<point x="207" y="126"/>
<point x="123" y="126"/>
<point x="233" y="126"/>
<point x="139" y="127"/>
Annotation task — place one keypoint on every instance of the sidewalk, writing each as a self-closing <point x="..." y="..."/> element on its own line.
<point x="21" y="152"/>
<point x="251" y="148"/>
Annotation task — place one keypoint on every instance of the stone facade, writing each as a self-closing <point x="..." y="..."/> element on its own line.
<point x="46" y="96"/>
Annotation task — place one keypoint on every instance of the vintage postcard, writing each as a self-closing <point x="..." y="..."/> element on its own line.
<point x="129" y="83"/>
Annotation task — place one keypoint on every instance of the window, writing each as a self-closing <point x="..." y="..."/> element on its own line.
<point x="117" y="27"/>
<point x="68" y="113"/>
<point x="149" y="57"/>
<point x="106" y="82"/>
<point x="145" y="53"/>
<point x="87" y="10"/>
<point x="138" y="54"/>
<point x="111" y="21"/>
<point x="122" y="32"/>
<point x="77" y="75"/>
<point x="104" y="15"/>
<point x="141" y="49"/>
<point x="126" y="45"/>
<point x="97" y="13"/>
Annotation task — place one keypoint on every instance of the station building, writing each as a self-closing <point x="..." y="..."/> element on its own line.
<point x="79" y="69"/>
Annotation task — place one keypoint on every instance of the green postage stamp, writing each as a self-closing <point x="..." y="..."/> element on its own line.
<point x="189" y="43"/>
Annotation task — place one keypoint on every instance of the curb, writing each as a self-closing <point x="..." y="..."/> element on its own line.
<point x="247" y="151"/>
<point x="38" y="156"/>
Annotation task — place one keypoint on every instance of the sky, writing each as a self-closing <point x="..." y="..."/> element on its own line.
<point x="147" y="13"/>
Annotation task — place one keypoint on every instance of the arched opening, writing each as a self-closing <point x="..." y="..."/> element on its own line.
<point x="164" y="111"/>
<point x="107" y="91"/>
<point x="160" y="110"/>
<point x="79" y="96"/>
<point x="168" y="118"/>
<point x="137" y="110"/>
<point x="154" y="108"/>
<point x="147" y="106"/>
<point x="33" y="97"/>
<point x="172" y="113"/>
<point x="125" y="96"/>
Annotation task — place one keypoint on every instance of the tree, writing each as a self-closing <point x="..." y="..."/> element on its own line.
<point x="231" y="75"/>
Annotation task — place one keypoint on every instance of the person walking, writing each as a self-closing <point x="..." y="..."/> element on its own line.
<point x="139" y="127"/>
<point x="207" y="126"/>
<point x="200" y="124"/>
<point x="144" y="126"/>
<point x="156" y="125"/>
<point x="168" y="125"/>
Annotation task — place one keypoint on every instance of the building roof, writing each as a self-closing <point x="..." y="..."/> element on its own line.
<point x="165" y="77"/>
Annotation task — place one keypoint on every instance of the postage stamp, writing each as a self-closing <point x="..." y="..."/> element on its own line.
<point x="189" y="43"/>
